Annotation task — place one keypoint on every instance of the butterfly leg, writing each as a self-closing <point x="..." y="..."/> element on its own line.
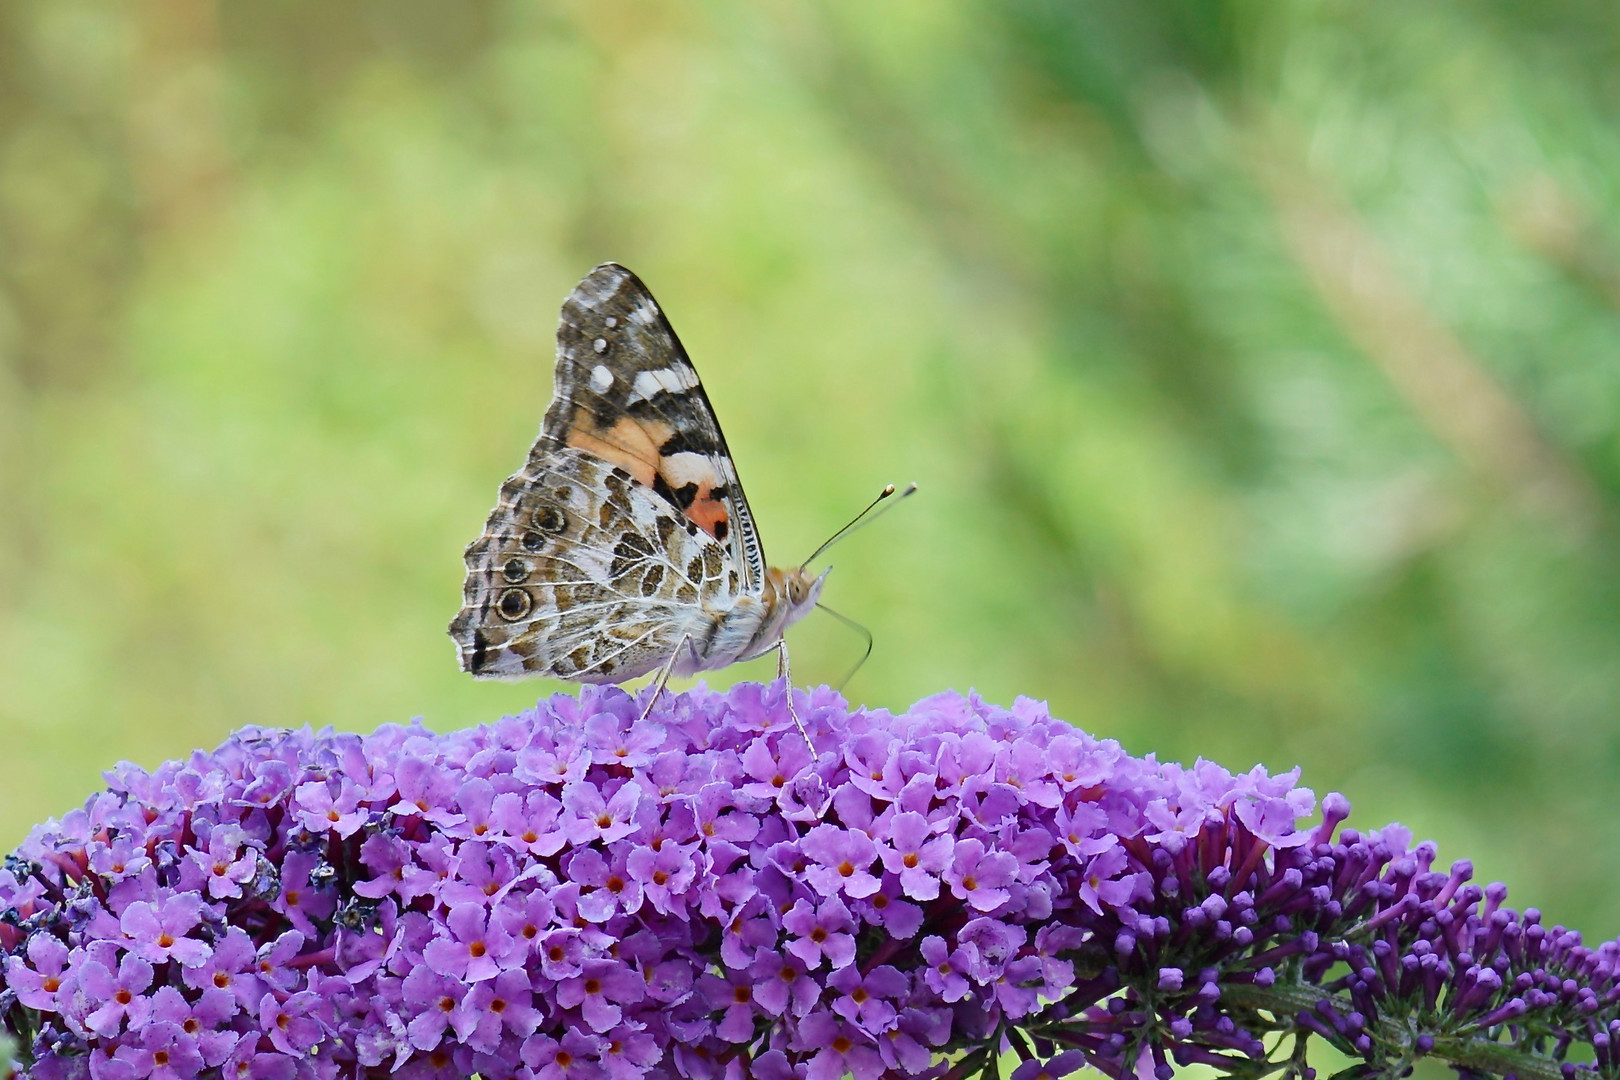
<point x="663" y="678"/>
<point x="783" y="672"/>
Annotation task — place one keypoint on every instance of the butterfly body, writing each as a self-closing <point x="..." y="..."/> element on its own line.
<point x="625" y="544"/>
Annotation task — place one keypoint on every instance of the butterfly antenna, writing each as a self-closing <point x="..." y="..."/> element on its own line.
<point x="859" y="629"/>
<point x="862" y="519"/>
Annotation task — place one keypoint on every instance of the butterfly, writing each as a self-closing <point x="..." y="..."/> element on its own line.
<point x="624" y="545"/>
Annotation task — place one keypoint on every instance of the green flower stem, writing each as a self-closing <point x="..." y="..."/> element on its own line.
<point x="1475" y="1053"/>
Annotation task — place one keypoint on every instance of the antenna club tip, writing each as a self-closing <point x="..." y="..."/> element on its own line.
<point x="862" y="518"/>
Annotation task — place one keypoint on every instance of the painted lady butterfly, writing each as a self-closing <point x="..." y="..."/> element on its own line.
<point x="625" y="544"/>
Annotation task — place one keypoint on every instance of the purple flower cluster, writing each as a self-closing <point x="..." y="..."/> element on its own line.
<point x="1356" y="940"/>
<point x="579" y="893"/>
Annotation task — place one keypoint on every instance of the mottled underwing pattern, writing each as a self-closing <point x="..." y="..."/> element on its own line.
<point x="625" y="542"/>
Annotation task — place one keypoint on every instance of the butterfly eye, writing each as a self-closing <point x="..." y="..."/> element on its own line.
<point x="550" y="519"/>
<point x="515" y="570"/>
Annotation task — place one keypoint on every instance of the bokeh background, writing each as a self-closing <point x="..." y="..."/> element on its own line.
<point x="1259" y="362"/>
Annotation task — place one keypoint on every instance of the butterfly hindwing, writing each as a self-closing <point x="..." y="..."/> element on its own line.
<point x="627" y="393"/>
<point x="584" y="573"/>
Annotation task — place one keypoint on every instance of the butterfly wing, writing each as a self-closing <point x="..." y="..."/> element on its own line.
<point x="584" y="573"/>
<point x="627" y="393"/>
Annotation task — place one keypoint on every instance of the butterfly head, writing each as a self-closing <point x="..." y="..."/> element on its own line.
<point x="797" y="590"/>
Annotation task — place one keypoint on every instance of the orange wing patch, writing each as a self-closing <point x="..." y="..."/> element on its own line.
<point x="708" y="511"/>
<point x="689" y="481"/>
<point x="631" y="445"/>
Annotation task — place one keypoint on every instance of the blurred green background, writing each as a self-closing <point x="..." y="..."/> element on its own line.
<point x="1259" y="362"/>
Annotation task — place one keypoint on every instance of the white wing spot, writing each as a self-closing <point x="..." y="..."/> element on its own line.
<point x="611" y="322"/>
<point x="600" y="345"/>
<point x="644" y="313"/>
<point x="689" y="468"/>
<point x="673" y="379"/>
<point x="601" y="378"/>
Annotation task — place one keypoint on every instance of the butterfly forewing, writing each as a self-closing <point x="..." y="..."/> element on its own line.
<point x="627" y="393"/>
